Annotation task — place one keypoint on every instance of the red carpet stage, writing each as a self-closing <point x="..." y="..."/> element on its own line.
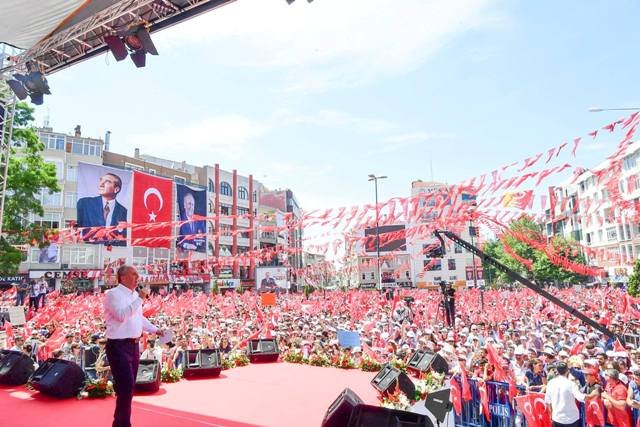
<point x="275" y="394"/>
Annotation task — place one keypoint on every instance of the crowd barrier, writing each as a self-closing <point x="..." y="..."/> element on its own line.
<point x="503" y="413"/>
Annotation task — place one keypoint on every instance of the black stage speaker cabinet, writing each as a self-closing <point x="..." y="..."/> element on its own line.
<point x="340" y="410"/>
<point x="149" y="375"/>
<point x="58" y="378"/>
<point x="203" y="362"/>
<point x="439" y="403"/>
<point x="15" y="368"/>
<point x="265" y="350"/>
<point x="423" y="361"/>
<point x="389" y="378"/>
<point x="369" y="415"/>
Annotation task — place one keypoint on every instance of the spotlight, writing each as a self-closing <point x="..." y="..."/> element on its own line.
<point x="136" y="41"/>
<point x="33" y="84"/>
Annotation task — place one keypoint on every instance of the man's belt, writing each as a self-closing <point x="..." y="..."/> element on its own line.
<point x="134" y="340"/>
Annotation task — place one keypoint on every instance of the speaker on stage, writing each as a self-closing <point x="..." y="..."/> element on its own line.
<point x="263" y="350"/>
<point x="58" y="378"/>
<point x="149" y="375"/>
<point x="203" y="362"/>
<point x="389" y="377"/>
<point x="423" y="361"/>
<point x="15" y="368"/>
<point x="340" y="410"/>
<point x="369" y="415"/>
<point x="439" y="403"/>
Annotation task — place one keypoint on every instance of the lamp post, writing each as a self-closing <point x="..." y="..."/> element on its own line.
<point x="375" y="179"/>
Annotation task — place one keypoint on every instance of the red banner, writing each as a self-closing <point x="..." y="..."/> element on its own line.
<point x="152" y="205"/>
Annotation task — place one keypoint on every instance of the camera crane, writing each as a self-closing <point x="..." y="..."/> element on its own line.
<point x="517" y="277"/>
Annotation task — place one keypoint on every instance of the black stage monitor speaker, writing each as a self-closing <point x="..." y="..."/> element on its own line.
<point x="423" y="361"/>
<point x="203" y="362"/>
<point x="369" y="415"/>
<point x="439" y="404"/>
<point x="264" y="350"/>
<point x="15" y="368"/>
<point x="389" y="378"/>
<point x="58" y="378"/>
<point x="340" y="410"/>
<point x="149" y="375"/>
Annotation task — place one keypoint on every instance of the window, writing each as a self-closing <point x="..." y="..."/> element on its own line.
<point x="48" y="220"/>
<point x="211" y="206"/>
<point x="364" y="277"/>
<point x="243" y="194"/>
<point x="600" y="236"/>
<point x="373" y="275"/>
<point x="457" y="249"/>
<point x="437" y="278"/>
<point x="453" y="277"/>
<point x="225" y="189"/>
<point x="433" y="264"/>
<point x="612" y="234"/>
<point x="225" y="209"/>
<point x="212" y="187"/>
<point x="53" y="200"/>
<point x="179" y="180"/>
<point x="451" y="264"/>
<point x="243" y="211"/>
<point x="77" y="256"/>
<point x="52" y="142"/>
<point x="72" y="173"/>
<point x="70" y="199"/>
<point x="85" y="147"/>
<point x="255" y="196"/>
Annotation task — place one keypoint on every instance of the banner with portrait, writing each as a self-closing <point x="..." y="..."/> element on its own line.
<point x="192" y="233"/>
<point x="104" y="201"/>
<point x="268" y="279"/>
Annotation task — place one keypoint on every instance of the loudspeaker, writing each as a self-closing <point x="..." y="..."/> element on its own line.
<point x="340" y="410"/>
<point x="368" y="415"/>
<point x="58" y="378"/>
<point x="15" y="368"/>
<point x="439" y="404"/>
<point x="423" y="361"/>
<point x="264" y="350"/>
<point x="203" y="362"/>
<point x="149" y="375"/>
<point x="389" y="378"/>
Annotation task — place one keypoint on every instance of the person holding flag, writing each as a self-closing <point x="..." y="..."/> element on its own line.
<point x="560" y="398"/>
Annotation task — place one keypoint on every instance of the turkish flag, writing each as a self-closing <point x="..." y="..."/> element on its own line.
<point x="152" y="203"/>
<point x="484" y="399"/>
<point x="534" y="409"/>
<point x="456" y="399"/>
<point x="466" y="389"/>
<point x="594" y="412"/>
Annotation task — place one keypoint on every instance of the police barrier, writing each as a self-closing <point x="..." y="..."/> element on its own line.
<point x="502" y="412"/>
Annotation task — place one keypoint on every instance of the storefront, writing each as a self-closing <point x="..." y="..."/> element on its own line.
<point x="8" y="281"/>
<point x="68" y="281"/>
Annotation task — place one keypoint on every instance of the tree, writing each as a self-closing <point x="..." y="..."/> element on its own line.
<point x="545" y="270"/>
<point x="28" y="175"/>
<point x="633" y="287"/>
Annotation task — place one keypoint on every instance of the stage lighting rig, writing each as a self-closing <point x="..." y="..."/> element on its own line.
<point x="136" y="42"/>
<point x="291" y="1"/>
<point x="33" y="84"/>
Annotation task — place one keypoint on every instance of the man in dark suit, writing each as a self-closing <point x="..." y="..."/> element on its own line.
<point x="192" y="232"/>
<point x="268" y="284"/>
<point x="104" y="210"/>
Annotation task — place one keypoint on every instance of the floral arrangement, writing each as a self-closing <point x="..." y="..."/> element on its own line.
<point x="319" y="360"/>
<point x="239" y="359"/>
<point x="344" y="361"/>
<point x="96" y="388"/>
<point x="399" y="364"/>
<point x="369" y="365"/>
<point x="171" y="375"/>
<point x="428" y="383"/>
<point x="227" y="363"/>
<point x="395" y="400"/>
<point x="294" y="357"/>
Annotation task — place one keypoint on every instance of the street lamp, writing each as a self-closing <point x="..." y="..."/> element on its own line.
<point x="375" y="179"/>
<point x="599" y="109"/>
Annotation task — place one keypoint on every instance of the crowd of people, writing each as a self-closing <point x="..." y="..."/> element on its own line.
<point x="516" y="331"/>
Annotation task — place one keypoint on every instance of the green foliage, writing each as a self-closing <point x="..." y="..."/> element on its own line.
<point x="28" y="173"/>
<point x="633" y="287"/>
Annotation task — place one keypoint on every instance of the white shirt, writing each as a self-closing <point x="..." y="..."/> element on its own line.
<point x="154" y="353"/>
<point x="123" y="314"/>
<point x="112" y="206"/>
<point x="562" y="394"/>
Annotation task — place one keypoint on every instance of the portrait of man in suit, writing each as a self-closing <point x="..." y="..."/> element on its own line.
<point x="268" y="283"/>
<point x="192" y="232"/>
<point x="104" y="210"/>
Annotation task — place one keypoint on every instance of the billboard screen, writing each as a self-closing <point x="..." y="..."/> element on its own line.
<point x="104" y="199"/>
<point x="274" y="199"/>
<point x="270" y="278"/>
<point x="192" y="235"/>
<point x="392" y="238"/>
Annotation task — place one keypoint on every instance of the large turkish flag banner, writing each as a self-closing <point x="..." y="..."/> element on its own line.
<point x="152" y="207"/>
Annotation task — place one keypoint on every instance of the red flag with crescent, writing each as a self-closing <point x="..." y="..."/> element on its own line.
<point x="484" y="400"/>
<point x="456" y="397"/>
<point x="152" y="203"/>
<point x="594" y="412"/>
<point x="534" y="409"/>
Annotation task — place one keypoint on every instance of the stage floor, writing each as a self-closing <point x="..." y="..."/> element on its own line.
<point x="274" y="394"/>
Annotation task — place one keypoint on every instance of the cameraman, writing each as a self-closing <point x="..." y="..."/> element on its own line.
<point x="448" y="297"/>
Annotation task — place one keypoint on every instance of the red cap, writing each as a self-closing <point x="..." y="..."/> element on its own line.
<point x="590" y="371"/>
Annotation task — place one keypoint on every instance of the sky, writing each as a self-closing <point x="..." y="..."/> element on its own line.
<point x="316" y="96"/>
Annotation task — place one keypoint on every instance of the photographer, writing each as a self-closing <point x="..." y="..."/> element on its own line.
<point x="448" y="299"/>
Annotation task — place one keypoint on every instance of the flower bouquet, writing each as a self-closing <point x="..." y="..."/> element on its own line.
<point x="399" y="364"/>
<point x="319" y="360"/>
<point x="293" y="356"/>
<point x="240" y="359"/>
<point x="97" y="388"/>
<point x="428" y="383"/>
<point x="227" y="363"/>
<point x="345" y="362"/>
<point x="395" y="400"/>
<point x="171" y="375"/>
<point x="369" y="365"/>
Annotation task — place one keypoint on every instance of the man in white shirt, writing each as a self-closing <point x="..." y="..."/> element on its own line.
<point x="561" y="396"/>
<point x="125" y="323"/>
